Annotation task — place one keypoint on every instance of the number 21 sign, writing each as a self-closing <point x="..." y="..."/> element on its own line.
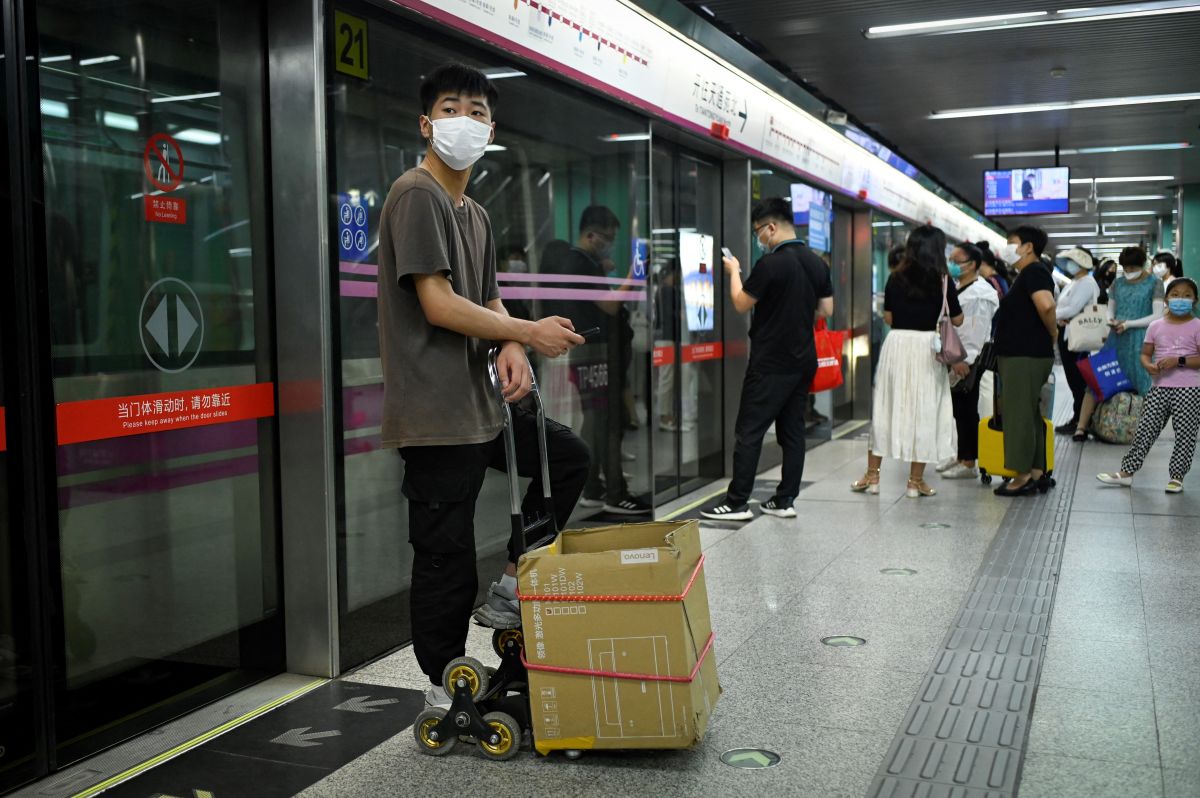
<point x="350" y="48"/>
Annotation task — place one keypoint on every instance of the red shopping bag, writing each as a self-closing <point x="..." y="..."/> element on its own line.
<point x="829" y="358"/>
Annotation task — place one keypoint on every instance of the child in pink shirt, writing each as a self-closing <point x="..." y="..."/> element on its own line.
<point x="1171" y="355"/>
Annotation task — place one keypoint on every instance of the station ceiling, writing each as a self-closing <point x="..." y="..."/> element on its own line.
<point x="892" y="85"/>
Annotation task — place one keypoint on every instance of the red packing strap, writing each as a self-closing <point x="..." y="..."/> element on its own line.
<point x="687" y="589"/>
<point x="637" y="677"/>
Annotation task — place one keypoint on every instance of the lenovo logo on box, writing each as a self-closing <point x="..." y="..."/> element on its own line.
<point x="638" y="556"/>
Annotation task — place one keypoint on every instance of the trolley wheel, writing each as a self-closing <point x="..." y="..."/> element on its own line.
<point x="491" y="673"/>
<point x="501" y="637"/>
<point x="505" y="738"/>
<point x="423" y="730"/>
<point x="986" y="479"/>
<point x="573" y="753"/>
<point x="468" y="670"/>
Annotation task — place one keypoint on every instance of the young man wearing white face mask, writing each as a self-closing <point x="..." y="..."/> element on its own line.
<point x="439" y="314"/>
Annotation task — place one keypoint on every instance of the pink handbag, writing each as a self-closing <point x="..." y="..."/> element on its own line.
<point x="952" y="350"/>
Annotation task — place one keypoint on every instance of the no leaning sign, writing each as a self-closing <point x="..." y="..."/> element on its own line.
<point x="163" y="163"/>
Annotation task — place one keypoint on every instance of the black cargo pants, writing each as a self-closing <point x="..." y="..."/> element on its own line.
<point x="442" y="484"/>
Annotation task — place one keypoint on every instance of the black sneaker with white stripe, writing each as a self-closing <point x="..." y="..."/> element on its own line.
<point x="628" y="506"/>
<point x="773" y="507"/>
<point x="724" y="512"/>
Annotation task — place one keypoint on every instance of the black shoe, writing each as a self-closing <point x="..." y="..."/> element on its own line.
<point x="1066" y="429"/>
<point x="1029" y="487"/>
<point x="725" y="512"/>
<point x="1079" y="436"/>
<point x="628" y="506"/>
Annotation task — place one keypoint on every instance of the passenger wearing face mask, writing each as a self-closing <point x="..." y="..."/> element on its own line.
<point x="1171" y="354"/>
<point x="1026" y="328"/>
<point x="991" y="270"/>
<point x="1135" y="299"/>
<point x="1081" y="294"/>
<point x="439" y="315"/>
<point x="979" y="301"/>
<point x="1166" y="267"/>
<point x="514" y="262"/>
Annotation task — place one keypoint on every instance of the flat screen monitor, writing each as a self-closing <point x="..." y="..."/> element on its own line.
<point x="1026" y="192"/>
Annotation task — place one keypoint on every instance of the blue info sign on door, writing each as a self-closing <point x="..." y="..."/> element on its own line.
<point x="353" y="237"/>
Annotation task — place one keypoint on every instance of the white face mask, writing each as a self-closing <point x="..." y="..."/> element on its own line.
<point x="460" y="141"/>
<point x="518" y="266"/>
<point x="1009" y="254"/>
<point x="1160" y="270"/>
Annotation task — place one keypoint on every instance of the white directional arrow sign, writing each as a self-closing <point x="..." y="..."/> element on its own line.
<point x="185" y="325"/>
<point x="302" y="737"/>
<point x="363" y="704"/>
<point x="157" y="326"/>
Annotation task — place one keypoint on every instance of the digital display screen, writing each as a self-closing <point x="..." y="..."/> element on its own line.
<point x="813" y="208"/>
<point x="1026" y="192"/>
<point x="696" y="260"/>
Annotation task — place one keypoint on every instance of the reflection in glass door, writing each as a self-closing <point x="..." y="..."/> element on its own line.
<point x="688" y="347"/>
<point x="165" y="552"/>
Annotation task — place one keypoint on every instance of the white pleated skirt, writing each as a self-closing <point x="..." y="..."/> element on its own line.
<point x="912" y="417"/>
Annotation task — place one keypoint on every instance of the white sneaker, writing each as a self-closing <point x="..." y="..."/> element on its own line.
<point x="1175" y="486"/>
<point x="1115" y="479"/>
<point x="946" y="465"/>
<point x="500" y="610"/>
<point x="779" y="511"/>
<point x="724" y="512"/>
<point x="959" y="471"/>
<point x="586" y="502"/>
<point x="437" y="696"/>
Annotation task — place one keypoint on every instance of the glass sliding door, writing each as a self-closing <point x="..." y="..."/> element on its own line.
<point x="562" y="161"/>
<point x="158" y="278"/>
<point x="689" y="347"/>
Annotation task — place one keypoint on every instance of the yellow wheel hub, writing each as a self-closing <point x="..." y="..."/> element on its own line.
<point x="466" y="674"/>
<point x="427" y="726"/>
<point x="504" y="742"/>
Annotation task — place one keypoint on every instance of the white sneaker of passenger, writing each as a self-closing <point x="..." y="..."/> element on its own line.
<point x="770" y="507"/>
<point x="724" y="512"/>
<point x="628" y="506"/>
<point x="1175" y="486"/>
<point x="500" y="610"/>
<point x="437" y="696"/>
<point x="959" y="471"/>
<point x="1115" y="479"/>
<point x="946" y="465"/>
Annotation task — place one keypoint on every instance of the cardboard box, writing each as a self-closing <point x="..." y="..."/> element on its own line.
<point x="664" y="638"/>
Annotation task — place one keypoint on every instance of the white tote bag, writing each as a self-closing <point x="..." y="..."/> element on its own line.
<point x="1088" y="331"/>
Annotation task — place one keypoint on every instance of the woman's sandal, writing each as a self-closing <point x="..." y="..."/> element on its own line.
<point x="917" y="488"/>
<point x="868" y="484"/>
<point x="1080" y="436"/>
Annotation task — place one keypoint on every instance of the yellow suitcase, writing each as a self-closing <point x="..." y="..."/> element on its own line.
<point x="991" y="453"/>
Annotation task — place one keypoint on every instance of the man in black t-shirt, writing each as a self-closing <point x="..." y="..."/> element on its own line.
<point x="787" y="288"/>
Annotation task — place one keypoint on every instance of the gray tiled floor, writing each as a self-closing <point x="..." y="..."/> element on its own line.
<point x="1116" y="713"/>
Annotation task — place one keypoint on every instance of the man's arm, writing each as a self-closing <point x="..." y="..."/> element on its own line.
<point x="742" y="301"/>
<point x="551" y="336"/>
<point x="825" y="308"/>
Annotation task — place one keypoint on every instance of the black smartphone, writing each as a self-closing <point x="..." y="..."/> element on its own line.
<point x="589" y="332"/>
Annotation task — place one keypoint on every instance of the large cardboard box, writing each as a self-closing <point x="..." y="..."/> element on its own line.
<point x="663" y="638"/>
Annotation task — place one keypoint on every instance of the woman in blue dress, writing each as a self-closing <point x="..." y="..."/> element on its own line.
<point x="1135" y="299"/>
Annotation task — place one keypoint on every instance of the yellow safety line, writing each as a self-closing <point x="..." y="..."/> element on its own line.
<point x="693" y="505"/>
<point x="195" y="741"/>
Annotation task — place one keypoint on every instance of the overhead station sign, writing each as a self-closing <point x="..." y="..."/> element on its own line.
<point x="628" y="54"/>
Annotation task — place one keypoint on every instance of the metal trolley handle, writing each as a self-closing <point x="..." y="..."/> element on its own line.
<point x="547" y="522"/>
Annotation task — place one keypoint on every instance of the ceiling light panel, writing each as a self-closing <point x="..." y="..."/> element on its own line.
<point x="1137" y="179"/>
<point x="1174" y="145"/>
<point x="1033" y="19"/>
<point x="1066" y="105"/>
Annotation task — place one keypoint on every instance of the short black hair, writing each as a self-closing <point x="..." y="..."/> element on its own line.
<point x="598" y="219"/>
<point x="457" y="78"/>
<point x="772" y="209"/>
<point x="1132" y="256"/>
<point x="1028" y="234"/>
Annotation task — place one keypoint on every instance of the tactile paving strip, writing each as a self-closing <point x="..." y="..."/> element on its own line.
<point x="964" y="735"/>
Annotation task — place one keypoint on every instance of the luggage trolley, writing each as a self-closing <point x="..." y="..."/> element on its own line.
<point x="490" y="706"/>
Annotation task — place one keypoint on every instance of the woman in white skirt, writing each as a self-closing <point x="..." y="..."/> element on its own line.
<point x="913" y="417"/>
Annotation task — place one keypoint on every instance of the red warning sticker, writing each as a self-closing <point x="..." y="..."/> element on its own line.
<point x="163" y="162"/>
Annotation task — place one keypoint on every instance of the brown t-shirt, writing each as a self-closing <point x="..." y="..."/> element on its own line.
<point x="436" y="390"/>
